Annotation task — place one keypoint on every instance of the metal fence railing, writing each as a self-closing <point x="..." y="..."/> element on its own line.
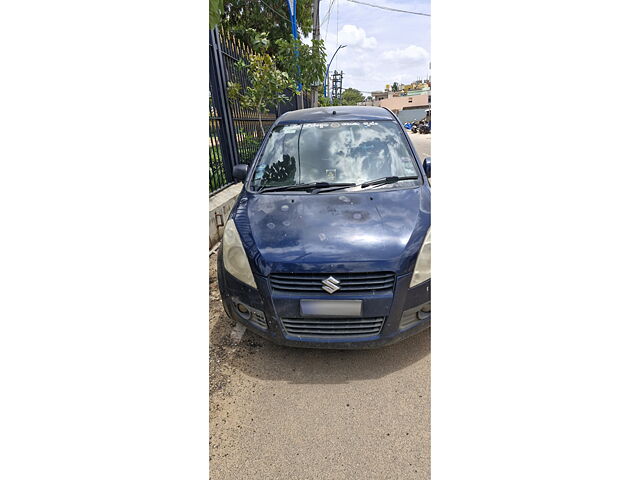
<point x="234" y="131"/>
<point x="222" y="142"/>
<point x="217" y="176"/>
<point x="245" y="121"/>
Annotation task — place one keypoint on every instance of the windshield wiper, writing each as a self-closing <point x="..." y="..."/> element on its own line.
<point x="304" y="186"/>
<point x="386" y="180"/>
<point x="332" y="187"/>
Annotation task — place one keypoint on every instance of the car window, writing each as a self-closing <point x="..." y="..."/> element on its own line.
<point x="335" y="152"/>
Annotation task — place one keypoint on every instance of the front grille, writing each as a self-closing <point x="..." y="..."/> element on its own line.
<point x="333" y="327"/>
<point x="367" y="283"/>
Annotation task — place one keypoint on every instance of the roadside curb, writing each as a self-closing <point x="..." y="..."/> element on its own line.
<point x="220" y="206"/>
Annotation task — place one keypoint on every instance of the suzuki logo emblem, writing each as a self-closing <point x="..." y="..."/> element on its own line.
<point x="331" y="285"/>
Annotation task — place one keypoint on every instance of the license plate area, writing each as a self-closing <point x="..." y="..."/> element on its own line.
<point x="331" y="308"/>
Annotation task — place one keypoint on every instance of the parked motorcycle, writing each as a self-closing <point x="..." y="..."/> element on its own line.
<point x="414" y="128"/>
<point x="424" y="128"/>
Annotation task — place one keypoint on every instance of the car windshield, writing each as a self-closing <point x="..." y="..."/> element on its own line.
<point x="335" y="153"/>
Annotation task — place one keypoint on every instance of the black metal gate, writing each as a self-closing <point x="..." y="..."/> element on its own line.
<point x="222" y="140"/>
<point x="234" y="131"/>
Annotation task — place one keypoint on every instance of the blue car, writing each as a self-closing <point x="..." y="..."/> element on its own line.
<point x="329" y="242"/>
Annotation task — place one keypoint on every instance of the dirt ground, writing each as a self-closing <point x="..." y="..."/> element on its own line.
<point x="225" y="356"/>
<point x="293" y="413"/>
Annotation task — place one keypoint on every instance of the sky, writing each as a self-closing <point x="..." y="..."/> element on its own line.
<point x="383" y="46"/>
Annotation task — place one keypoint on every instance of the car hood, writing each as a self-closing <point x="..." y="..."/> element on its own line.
<point x="333" y="232"/>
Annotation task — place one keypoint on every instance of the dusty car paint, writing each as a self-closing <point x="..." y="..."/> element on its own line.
<point x="366" y="230"/>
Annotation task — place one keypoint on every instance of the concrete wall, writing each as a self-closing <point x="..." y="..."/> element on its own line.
<point x="220" y="206"/>
<point x="411" y="114"/>
<point x="399" y="103"/>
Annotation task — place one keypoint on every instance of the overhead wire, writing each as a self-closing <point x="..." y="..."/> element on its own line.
<point x="288" y="20"/>
<point x="326" y="15"/>
<point x="327" y="20"/>
<point x="389" y="8"/>
<point x="337" y="22"/>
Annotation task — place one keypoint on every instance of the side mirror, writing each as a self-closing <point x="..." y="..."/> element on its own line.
<point x="427" y="166"/>
<point x="240" y="172"/>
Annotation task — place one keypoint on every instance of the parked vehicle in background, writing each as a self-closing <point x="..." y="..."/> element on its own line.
<point x="329" y="242"/>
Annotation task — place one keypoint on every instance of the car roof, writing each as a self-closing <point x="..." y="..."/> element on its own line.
<point x="340" y="114"/>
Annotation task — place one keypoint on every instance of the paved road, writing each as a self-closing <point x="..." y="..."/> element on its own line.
<point x="422" y="143"/>
<point x="284" y="413"/>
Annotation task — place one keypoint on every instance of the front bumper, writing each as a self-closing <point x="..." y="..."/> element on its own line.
<point x="264" y="311"/>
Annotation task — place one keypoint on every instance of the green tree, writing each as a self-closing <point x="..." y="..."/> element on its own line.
<point x="243" y="18"/>
<point x="308" y="68"/>
<point x="324" y="101"/>
<point x="215" y="13"/>
<point x="265" y="26"/>
<point x="266" y="88"/>
<point x="395" y="87"/>
<point x="351" y="96"/>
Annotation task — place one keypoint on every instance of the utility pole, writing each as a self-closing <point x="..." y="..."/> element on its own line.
<point x="336" y="86"/>
<point x="326" y="75"/>
<point x="292" y="4"/>
<point x="315" y="12"/>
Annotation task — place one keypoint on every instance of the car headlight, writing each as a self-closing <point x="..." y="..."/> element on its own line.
<point x="234" y="257"/>
<point x="422" y="270"/>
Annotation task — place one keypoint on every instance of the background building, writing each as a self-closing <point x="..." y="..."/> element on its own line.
<point x="410" y="106"/>
<point x="411" y="102"/>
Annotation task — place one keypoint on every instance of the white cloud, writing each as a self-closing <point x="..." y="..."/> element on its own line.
<point x="412" y="53"/>
<point x="356" y="37"/>
<point x="370" y="63"/>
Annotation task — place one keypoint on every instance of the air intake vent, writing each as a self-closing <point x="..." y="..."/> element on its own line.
<point x="333" y="327"/>
<point x="257" y="317"/>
